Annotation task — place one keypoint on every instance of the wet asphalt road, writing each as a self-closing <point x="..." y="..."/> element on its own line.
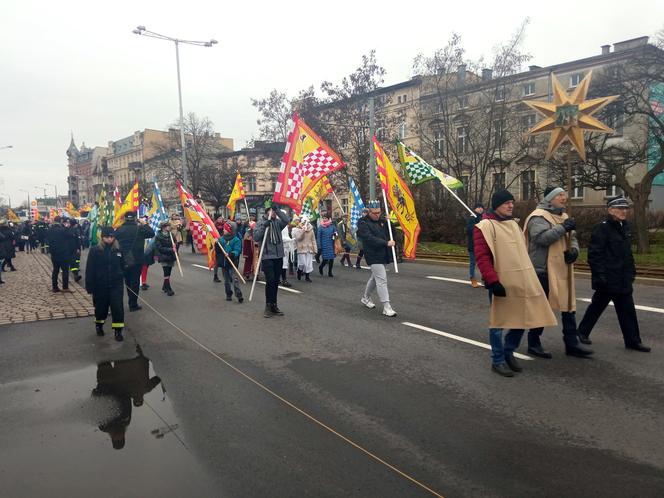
<point x="426" y="404"/>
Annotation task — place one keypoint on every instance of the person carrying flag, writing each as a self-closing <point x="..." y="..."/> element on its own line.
<point x="230" y="243"/>
<point x="372" y="231"/>
<point x="269" y="227"/>
<point x="131" y="236"/>
<point x="165" y="252"/>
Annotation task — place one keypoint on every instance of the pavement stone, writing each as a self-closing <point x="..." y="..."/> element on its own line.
<point x="27" y="297"/>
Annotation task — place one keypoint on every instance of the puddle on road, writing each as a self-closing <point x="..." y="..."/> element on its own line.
<point x="104" y="430"/>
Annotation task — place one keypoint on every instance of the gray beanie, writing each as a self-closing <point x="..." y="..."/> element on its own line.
<point x="550" y="194"/>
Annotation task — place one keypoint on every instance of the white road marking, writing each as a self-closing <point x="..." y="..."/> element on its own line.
<point x="260" y="282"/>
<point x="283" y="288"/>
<point x="584" y="299"/>
<point x="637" y="306"/>
<point x="459" y="338"/>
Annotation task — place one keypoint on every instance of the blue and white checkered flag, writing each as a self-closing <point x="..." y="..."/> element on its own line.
<point x="356" y="206"/>
<point x="157" y="212"/>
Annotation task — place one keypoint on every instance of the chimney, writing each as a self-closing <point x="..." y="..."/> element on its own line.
<point x="534" y="67"/>
<point x="461" y="74"/>
<point x="487" y="74"/>
<point x="606" y="49"/>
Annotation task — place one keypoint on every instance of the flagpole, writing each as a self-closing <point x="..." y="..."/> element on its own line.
<point x="260" y="257"/>
<point x="175" y="250"/>
<point x="457" y="198"/>
<point x="247" y="208"/>
<point x="389" y="228"/>
<point x="231" y="262"/>
<point x="339" y="202"/>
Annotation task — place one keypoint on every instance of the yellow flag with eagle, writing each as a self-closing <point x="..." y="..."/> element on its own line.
<point x="400" y="200"/>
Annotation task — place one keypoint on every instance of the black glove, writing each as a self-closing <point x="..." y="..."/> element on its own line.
<point x="569" y="224"/>
<point x="498" y="289"/>
<point x="571" y="256"/>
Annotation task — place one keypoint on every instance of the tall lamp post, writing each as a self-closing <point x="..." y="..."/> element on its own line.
<point x="29" y="206"/>
<point x="56" y="192"/>
<point x="140" y="30"/>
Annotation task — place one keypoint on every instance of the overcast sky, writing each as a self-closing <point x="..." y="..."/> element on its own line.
<point x="75" y="66"/>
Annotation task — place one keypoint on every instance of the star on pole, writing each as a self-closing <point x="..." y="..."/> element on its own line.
<point x="569" y="116"/>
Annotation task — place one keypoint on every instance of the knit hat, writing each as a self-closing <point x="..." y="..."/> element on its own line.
<point x="107" y="232"/>
<point x="618" y="202"/>
<point x="478" y="205"/>
<point x="500" y="197"/>
<point x="228" y="228"/>
<point x="551" y="192"/>
<point x="130" y="216"/>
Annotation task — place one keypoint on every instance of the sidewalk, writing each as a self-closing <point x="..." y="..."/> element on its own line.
<point x="26" y="295"/>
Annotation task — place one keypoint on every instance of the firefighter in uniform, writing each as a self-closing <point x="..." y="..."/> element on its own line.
<point x="104" y="279"/>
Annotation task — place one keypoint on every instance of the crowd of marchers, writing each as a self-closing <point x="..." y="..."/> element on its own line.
<point x="528" y="272"/>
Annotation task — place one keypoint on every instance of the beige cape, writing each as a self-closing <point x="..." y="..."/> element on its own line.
<point x="561" y="279"/>
<point x="525" y="305"/>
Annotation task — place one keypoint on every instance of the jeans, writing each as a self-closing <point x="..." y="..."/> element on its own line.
<point x="471" y="264"/>
<point x="502" y="347"/>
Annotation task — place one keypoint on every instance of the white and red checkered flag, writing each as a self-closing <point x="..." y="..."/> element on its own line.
<point x="203" y="231"/>
<point x="306" y="160"/>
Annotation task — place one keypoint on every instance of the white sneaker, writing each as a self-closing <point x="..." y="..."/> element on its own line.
<point x="388" y="311"/>
<point x="367" y="302"/>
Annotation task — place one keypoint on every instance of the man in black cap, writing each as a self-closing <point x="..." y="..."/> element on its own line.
<point x="59" y="240"/>
<point x="478" y="209"/>
<point x="613" y="272"/>
<point x="131" y="237"/>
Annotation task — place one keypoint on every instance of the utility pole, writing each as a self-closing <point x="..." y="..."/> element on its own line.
<point x="372" y="154"/>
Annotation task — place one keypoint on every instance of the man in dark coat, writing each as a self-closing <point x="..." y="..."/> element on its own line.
<point x="104" y="275"/>
<point x="10" y="245"/>
<point x="74" y="246"/>
<point x="131" y="237"/>
<point x="59" y="239"/>
<point x="372" y="230"/>
<point x="478" y="209"/>
<point x="613" y="272"/>
<point x="5" y="244"/>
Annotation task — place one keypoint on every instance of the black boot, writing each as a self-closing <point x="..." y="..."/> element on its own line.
<point x="216" y="278"/>
<point x="329" y="268"/>
<point x="306" y="277"/>
<point x="268" y="311"/>
<point x="578" y="350"/>
<point x="169" y="291"/>
<point x="299" y="274"/>
<point x="100" y="329"/>
<point x="145" y="287"/>
<point x="513" y="364"/>
<point x="275" y="310"/>
<point x="320" y="268"/>
<point x="118" y="334"/>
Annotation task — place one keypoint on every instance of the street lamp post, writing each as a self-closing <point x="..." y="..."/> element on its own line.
<point x="56" y="192"/>
<point x="140" y="30"/>
<point x="29" y="206"/>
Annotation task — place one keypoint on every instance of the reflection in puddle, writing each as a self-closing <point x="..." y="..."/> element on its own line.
<point x="125" y="383"/>
<point x="56" y="430"/>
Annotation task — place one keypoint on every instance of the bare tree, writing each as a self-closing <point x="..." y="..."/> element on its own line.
<point x="275" y="112"/>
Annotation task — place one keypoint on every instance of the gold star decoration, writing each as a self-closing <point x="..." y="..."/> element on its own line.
<point x="568" y="116"/>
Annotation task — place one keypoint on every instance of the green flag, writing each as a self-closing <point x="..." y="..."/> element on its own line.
<point x="419" y="171"/>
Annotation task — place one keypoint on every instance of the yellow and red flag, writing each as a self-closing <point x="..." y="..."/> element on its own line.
<point x="399" y="198"/>
<point x="72" y="210"/>
<point x="307" y="158"/>
<point x="121" y="208"/>
<point x="318" y="193"/>
<point x="236" y="195"/>
<point x="11" y="216"/>
<point x="203" y="231"/>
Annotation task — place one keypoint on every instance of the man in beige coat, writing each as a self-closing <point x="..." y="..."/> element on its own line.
<point x="553" y="248"/>
<point x="517" y="299"/>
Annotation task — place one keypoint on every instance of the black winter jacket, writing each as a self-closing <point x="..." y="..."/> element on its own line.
<point x="610" y="257"/>
<point x="131" y="237"/>
<point x="104" y="269"/>
<point x="470" y="225"/>
<point x="163" y="247"/>
<point x="6" y="242"/>
<point x="374" y="236"/>
<point x="60" y="241"/>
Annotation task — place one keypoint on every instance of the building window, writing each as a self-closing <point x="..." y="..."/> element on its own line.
<point x="498" y="181"/>
<point x="438" y="141"/>
<point x="439" y="108"/>
<point x="462" y="139"/>
<point x="402" y="130"/>
<point x="577" y="185"/>
<point x="615" y="120"/>
<point x="399" y="99"/>
<point x="528" y="121"/>
<point x="344" y="205"/>
<point x="463" y="102"/>
<point x="612" y="190"/>
<point x="527" y="185"/>
<point x="575" y="79"/>
<point x="499" y="132"/>
<point x="529" y="89"/>
<point x="251" y="183"/>
<point x="500" y="94"/>
<point x="404" y="99"/>
<point x="274" y="178"/>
